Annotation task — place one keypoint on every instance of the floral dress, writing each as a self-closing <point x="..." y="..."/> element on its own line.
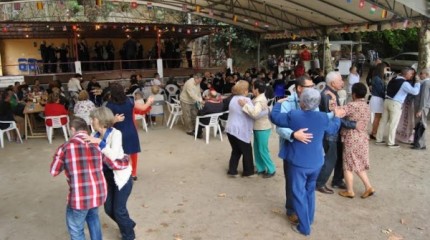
<point x="356" y="141"/>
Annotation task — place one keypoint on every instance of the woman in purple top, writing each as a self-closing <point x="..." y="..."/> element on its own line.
<point x="239" y="132"/>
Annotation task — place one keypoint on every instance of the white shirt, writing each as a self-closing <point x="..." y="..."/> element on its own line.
<point x="74" y="85"/>
<point x="155" y="82"/>
<point x="352" y="79"/>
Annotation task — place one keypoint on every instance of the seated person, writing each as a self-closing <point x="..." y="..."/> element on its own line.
<point x="83" y="106"/>
<point x="213" y="104"/>
<point x="55" y="108"/>
<point x="138" y="98"/>
<point x="6" y="113"/>
<point x="37" y="87"/>
<point x="157" y="81"/>
<point x="156" y="109"/>
<point x="133" y="86"/>
<point x="93" y="89"/>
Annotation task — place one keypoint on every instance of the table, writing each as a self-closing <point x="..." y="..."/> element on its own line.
<point x="32" y="108"/>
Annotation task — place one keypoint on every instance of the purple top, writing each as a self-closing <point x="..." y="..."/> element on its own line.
<point x="239" y="124"/>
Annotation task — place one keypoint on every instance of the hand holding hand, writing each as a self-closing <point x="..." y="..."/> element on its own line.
<point x="242" y="102"/>
<point x="92" y="139"/>
<point x="282" y="100"/>
<point x="302" y="136"/>
<point x="339" y="112"/>
<point x="119" y="118"/>
<point x="418" y="114"/>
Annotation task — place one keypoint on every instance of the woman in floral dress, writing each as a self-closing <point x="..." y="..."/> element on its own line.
<point x="356" y="142"/>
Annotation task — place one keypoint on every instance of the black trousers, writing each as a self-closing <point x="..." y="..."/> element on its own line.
<point x="238" y="149"/>
<point x="332" y="160"/>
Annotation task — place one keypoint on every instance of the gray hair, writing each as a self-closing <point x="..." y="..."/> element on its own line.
<point x="426" y="71"/>
<point x="310" y="99"/>
<point x="332" y="76"/>
<point x="104" y="115"/>
<point x="197" y="75"/>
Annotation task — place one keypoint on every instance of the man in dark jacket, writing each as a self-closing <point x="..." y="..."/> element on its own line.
<point x="212" y="105"/>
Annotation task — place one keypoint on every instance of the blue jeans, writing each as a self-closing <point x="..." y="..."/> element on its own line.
<point x="76" y="219"/>
<point x="116" y="207"/>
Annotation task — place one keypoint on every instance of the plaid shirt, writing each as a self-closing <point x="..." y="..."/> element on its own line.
<point x="82" y="163"/>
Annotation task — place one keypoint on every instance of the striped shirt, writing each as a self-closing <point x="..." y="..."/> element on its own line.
<point x="82" y="163"/>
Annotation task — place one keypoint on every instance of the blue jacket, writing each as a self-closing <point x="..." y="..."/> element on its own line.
<point x="309" y="155"/>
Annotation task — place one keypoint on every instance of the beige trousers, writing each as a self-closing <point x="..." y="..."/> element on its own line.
<point x="189" y="114"/>
<point x="390" y="117"/>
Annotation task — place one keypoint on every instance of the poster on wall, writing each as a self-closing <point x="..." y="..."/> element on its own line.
<point x="78" y="68"/>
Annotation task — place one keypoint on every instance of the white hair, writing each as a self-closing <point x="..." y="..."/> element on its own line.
<point x="331" y="76"/>
<point x="426" y="71"/>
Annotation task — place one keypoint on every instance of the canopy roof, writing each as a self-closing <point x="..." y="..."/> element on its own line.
<point x="275" y="18"/>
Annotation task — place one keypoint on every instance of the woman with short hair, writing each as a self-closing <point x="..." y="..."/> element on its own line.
<point x="83" y="106"/>
<point x="119" y="182"/>
<point x="239" y="131"/>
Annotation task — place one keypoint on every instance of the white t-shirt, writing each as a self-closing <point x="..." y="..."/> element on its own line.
<point x="74" y="85"/>
<point x="155" y="82"/>
<point x="352" y="79"/>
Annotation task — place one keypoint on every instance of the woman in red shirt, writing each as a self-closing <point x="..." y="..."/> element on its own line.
<point x="55" y="108"/>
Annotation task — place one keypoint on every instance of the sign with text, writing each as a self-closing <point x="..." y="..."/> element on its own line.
<point x="6" y="81"/>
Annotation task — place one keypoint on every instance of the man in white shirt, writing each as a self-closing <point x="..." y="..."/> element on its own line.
<point x="74" y="86"/>
<point x="397" y="90"/>
<point x="157" y="81"/>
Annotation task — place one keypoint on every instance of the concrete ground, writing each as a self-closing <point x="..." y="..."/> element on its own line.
<point x="183" y="193"/>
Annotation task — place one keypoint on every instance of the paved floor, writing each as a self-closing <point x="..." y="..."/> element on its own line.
<point x="183" y="193"/>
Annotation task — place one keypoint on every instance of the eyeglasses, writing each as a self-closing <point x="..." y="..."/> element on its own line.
<point x="308" y="86"/>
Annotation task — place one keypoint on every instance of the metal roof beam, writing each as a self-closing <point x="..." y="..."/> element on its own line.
<point x="348" y="11"/>
<point x="319" y="12"/>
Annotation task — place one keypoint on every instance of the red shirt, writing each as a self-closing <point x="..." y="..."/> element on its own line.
<point x="55" y="109"/>
<point x="82" y="163"/>
<point x="305" y="55"/>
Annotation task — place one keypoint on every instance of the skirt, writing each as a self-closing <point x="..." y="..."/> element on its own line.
<point x="376" y="104"/>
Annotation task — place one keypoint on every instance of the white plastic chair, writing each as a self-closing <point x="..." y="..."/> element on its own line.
<point x="157" y="109"/>
<point x="12" y="126"/>
<point x="56" y="123"/>
<point x="320" y="86"/>
<point x="143" y="118"/>
<point x="213" y="123"/>
<point x="175" y="111"/>
<point x="172" y="89"/>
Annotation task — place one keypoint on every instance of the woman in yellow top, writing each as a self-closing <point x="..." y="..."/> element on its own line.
<point x="259" y="111"/>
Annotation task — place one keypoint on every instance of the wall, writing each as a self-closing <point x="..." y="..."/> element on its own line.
<point x="12" y="49"/>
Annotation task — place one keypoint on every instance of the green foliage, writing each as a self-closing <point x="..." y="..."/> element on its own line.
<point x="391" y="42"/>
<point x="241" y="40"/>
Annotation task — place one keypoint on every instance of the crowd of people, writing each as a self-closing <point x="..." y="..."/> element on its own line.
<point x="101" y="56"/>
<point x="318" y="135"/>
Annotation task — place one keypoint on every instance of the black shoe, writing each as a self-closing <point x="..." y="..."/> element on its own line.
<point x="418" y="148"/>
<point x="199" y="136"/>
<point x="340" y="185"/>
<point x="134" y="178"/>
<point x="325" y="190"/>
<point x="372" y="137"/>
<point x="260" y="173"/>
<point x="269" y="175"/>
<point x="190" y="133"/>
